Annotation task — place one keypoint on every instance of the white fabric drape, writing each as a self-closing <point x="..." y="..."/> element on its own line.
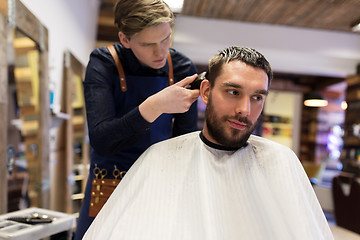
<point x="184" y="189"/>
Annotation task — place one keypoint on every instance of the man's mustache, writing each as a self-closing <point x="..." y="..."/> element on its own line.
<point x="241" y="119"/>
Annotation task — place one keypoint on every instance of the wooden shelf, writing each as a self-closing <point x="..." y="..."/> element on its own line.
<point x="57" y="118"/>
<point x="78" y="196"/>
<point x="350" y="156"/>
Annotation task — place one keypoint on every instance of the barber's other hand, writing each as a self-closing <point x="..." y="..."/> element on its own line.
<point x="173" y="99"/>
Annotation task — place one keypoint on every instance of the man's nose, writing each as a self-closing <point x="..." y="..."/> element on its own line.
<point x="243" y="106"/>
<point x="157" y="50"/>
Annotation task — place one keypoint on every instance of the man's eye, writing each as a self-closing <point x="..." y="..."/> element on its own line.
<point x="233" y="92"/>
<point x="258" y="97"/>
<point x="146" y="44"/>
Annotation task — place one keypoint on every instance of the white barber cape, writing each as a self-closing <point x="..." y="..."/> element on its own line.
<point x="183" y="189"/>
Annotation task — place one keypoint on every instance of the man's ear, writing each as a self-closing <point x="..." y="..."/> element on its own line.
<point x="205" y="90"/>
<point x="124" y="40"/>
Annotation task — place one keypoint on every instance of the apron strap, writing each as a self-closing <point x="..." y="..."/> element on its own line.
<point x="121" y="70"/>
<point x="119" y="67"/>
<point x="171" y="73"/>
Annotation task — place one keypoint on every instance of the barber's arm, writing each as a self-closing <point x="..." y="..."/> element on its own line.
<point x="108" y="133"/>
<point x="173" y="99"/>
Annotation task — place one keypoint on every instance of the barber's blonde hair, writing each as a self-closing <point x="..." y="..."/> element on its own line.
<point x="132" y="16"/>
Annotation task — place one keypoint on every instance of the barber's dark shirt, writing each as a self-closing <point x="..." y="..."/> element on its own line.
<point x="117" y="131"/>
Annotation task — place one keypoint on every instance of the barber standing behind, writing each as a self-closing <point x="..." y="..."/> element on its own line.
<point x="126" y="116"/>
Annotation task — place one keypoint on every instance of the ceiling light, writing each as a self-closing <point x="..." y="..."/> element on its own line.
<point x="355" y="26"/>
<point x="315" y="100"/>
<point x="175" y="5"/>
<point x="344" y="105"/>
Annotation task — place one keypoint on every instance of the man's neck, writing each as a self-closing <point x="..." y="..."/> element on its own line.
<point x="217" y="146"/>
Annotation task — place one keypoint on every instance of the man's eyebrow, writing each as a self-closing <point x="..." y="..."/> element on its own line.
<point x="234" y="85"/>
<point x="167" y="36"/>
<point x="263" y="92"/>
<point x="230" y="84"/>
<point x="149" y="43"/>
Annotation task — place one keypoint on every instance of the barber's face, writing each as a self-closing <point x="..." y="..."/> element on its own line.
<point x="151" y="45"/>
<point x="234" y="104"/>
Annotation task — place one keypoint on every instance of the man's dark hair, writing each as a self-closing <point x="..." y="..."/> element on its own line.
<point x="244" y="54"/>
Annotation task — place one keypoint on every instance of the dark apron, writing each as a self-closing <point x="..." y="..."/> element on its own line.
<point x="138" y="89"/>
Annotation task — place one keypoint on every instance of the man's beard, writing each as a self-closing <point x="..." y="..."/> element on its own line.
<point x="215" y="127"/>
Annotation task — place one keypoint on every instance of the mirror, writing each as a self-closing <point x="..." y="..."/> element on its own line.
<point x="27" y="112"/>
<point x="24" y="122"/>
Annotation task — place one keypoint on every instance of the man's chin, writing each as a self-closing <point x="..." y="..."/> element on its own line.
<point x="239" y="140"/>
<point x="158" y="65"/>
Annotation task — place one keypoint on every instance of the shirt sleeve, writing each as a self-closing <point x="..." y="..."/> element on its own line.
<point x="184" y="122"/>
<point x="108" y="133"/>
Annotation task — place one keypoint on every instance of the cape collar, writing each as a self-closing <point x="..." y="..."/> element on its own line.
<point x="217" y="146"/>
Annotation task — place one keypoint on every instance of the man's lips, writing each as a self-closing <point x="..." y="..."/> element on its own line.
<point x="159" y="60"/>
<point x="237" y="125"/>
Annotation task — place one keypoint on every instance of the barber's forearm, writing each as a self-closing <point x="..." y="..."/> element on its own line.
<point x="150" y="109"/>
